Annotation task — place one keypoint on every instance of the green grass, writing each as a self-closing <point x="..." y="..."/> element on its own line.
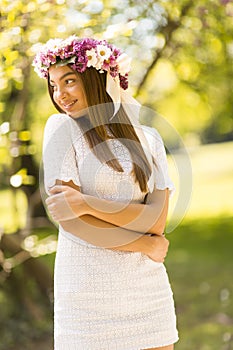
<point x="200" y="267"/>
<point x="212" y="174"/>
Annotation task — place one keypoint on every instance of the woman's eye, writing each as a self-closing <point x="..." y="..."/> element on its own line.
<point x="69" y="81"/>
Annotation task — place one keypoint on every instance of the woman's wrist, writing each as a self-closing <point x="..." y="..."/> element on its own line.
<point x="92" y="205"/>
<point x="78" y="205"/>
<point x="144" y="244"/>
<point x="83" y="208"/>
<point x="86" y="206"/>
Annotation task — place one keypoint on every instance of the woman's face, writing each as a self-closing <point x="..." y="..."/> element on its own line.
<point x="68" y="91"/>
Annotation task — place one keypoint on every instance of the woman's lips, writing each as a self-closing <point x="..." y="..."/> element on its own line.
<point x="69" y="105"/>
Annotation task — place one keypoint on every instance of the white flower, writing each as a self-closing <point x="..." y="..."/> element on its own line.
<point x="92" y="59"/>
<point x="53" y="45"/>
<point x="98" y="64"/>
<point x="124" y="63"/>
<point x="69" y="40"/>
<point x="103" y="52"/>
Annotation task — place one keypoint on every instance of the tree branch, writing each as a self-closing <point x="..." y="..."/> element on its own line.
<point x="168" y="31"/>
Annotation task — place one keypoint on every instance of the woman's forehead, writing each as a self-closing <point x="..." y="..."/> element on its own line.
<point x="57" y="72"/>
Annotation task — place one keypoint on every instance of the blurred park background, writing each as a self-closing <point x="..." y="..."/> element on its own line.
<point x="183" y="70"/>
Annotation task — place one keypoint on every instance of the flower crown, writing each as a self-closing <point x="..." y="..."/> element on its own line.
<point x="83" y="53"/>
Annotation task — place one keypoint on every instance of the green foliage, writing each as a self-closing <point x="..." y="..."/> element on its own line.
<point x="191" y="82"/>
<point x="190" y="42"/>
<point x="27" y="313"/>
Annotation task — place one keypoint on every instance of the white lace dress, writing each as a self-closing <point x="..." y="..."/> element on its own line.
<point x="105" y="300"/>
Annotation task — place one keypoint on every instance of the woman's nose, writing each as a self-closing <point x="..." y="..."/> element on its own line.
<point x="60" y="93"/>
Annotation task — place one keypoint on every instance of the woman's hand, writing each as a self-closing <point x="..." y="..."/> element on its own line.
<point x="156" y="247"/>
<point x="65" y="203"/>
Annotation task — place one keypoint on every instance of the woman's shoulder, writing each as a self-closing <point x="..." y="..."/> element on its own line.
<point x="152" y="135"/>
<point x="60" y="119"/>
<point x="63" y="122"/>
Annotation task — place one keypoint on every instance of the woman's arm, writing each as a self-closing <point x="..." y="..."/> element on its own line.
<point x="150" y="217"/>
<point x="109" y="236"/>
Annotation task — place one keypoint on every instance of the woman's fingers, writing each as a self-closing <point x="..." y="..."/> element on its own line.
<point x="60" y="211"/>
<point x="159" y="248"/>
<point x="60" y="204"/>
<point x="57" y="189"/>
<point x="52" y="199"/>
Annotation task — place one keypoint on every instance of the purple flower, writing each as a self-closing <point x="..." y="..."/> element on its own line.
<point x="123" y="82"/>
<point x="114" y="71"/>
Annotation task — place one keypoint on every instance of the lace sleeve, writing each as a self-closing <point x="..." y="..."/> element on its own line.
<point x="161" y="176"/>
<point x="59" y="159"/>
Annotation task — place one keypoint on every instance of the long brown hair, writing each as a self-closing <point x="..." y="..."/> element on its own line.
<point x="95" y="127"/>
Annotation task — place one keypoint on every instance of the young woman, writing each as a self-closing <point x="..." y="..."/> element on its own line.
<point x="106" y="176"/>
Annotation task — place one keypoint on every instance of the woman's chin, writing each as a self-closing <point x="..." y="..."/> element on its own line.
<point x="78" y="114"/>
